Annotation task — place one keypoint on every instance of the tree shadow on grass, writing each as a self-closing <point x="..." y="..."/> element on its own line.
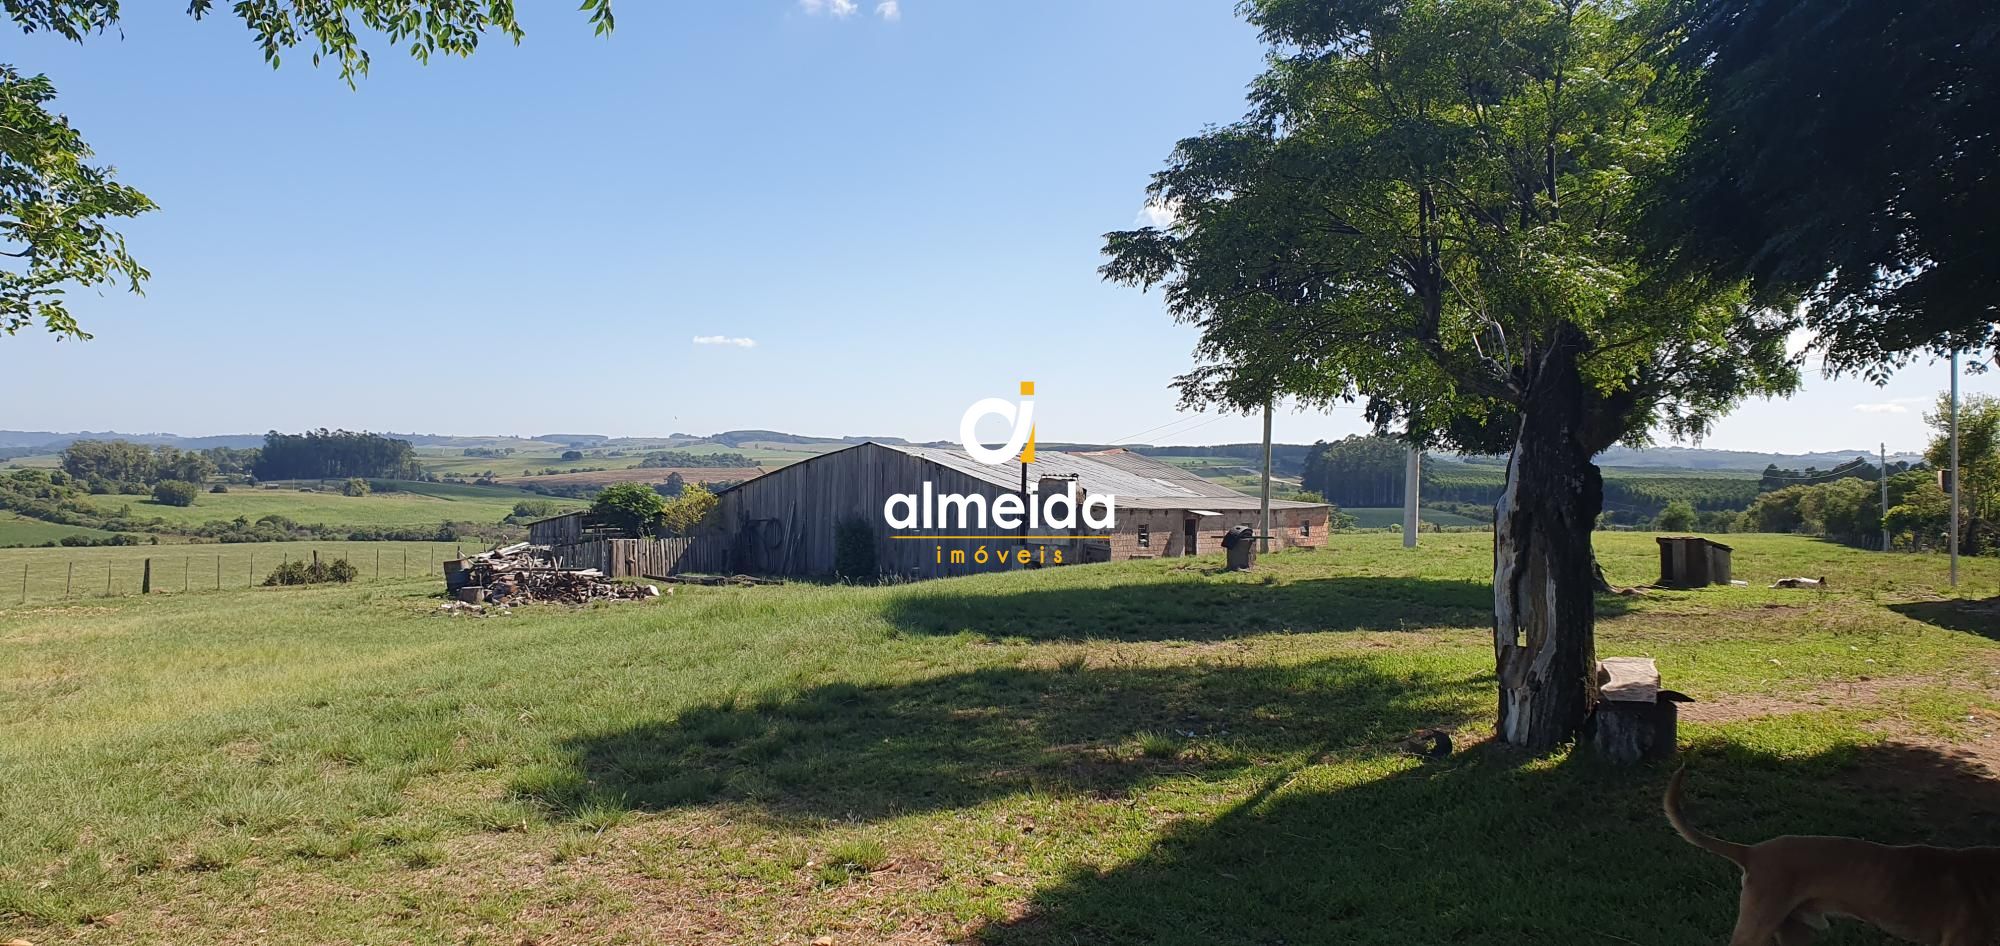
<point x="1202" y="608"/>
<point x="1483" y="848"/>
<point x="1970" y="616"/>
<point x="845" y="751"/>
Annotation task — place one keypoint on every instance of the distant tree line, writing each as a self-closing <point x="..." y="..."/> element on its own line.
<point x="120" y="466"/>
<point x="1859" y="468"/>
<point x="668" y="459"/>
<point x="335" y="454"/>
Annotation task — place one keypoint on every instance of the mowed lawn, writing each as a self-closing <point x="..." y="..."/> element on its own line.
<point x="412" y="504"/>
<point x="1149" y="752"/>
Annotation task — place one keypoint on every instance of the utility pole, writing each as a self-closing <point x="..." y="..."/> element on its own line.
<point x="1264" y="514"/>
<point x="1954" y="469"/>
<point x="1885" y="495"/>
<point x="1411" y="476"/>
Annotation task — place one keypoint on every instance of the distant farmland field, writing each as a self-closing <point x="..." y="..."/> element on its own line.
<point x="16" y="529"/>
<point x="1382" y="517"/>
<point x="692" y="474"/>
<point x="412" y="504"/>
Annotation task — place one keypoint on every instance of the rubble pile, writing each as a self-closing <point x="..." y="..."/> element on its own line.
<point x="523" y="573"/>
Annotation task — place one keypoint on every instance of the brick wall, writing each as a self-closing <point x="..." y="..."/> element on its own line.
<point x="1166" y="536"/>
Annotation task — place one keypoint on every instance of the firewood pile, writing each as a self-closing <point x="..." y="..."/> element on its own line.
<point x="524" y="573"/>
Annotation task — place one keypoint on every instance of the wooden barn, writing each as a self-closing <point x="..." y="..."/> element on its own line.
<point x="788" y="522"/>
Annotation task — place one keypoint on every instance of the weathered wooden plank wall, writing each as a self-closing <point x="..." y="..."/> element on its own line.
<point x="562" y="530"/>
<point x="638" y="558"/>
<point x="786" y="521"/>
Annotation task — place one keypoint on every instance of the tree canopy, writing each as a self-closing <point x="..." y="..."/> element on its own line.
<point x="1423" y="197"/>
<point x="57" y="208"/>
<point x="1431" y="205"/>
<point x="1842" y="154"/>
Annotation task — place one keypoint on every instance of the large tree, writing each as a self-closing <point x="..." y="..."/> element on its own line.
<point x="1428" y="206"/>
<point x="57" y="208"/>
<point x="1843" y="154"/>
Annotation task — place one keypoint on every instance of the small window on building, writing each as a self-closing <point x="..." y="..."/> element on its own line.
<point x="1306" y="526"/>
<point x="1145" y="537"/>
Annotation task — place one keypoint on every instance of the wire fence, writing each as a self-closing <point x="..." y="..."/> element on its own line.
<point x="49" y="575"/>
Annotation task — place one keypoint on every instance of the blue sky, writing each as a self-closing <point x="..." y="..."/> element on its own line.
<point x="903" y="212"/>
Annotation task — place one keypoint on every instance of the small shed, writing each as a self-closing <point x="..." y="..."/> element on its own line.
<point x="1690" y="561"/>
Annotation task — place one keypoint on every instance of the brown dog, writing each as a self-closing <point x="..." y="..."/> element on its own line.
<point x="1933" y="895"/>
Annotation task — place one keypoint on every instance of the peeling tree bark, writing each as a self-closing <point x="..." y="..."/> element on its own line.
<point x="1544" y="574"/>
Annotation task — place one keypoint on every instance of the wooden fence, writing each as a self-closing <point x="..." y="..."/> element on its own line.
<point x="639" y="558"/>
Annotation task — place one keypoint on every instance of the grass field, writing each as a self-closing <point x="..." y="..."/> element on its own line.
<point x="50" y="574"/>
<point x="412" y="504"/>
<point x="1383" y="517"/>
<point x="16" y="529"/>
<point x="1140" y="753"/>
<point x="689" y="474"/>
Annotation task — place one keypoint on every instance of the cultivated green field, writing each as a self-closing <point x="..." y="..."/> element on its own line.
<point x="411" y="504"/>
<point x="50" y="574"/>
<point x="16" y="529"/>
<point x="1142" y="753"/>
<point x="1383" y="517"/>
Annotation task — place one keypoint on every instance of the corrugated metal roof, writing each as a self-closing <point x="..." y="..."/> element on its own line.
<point x="1139" y="482"/>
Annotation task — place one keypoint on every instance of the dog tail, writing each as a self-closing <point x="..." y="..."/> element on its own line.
<point x="1706" y="842"/>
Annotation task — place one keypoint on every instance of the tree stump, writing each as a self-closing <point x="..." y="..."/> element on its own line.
<point x="1636" y="720"/>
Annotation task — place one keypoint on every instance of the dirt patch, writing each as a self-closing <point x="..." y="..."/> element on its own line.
<point x="694" y="474"/>
<point x="1736" y="707"/>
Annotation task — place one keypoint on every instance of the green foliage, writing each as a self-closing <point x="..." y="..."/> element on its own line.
<point x="1338" y="519"/>
<point x="1867" y="191"/>
<point x="528" y="510"/>
<point x="1403" y="217"/>
<point x="175" y="493"/>
<point x="354" y="486"/>
<point x="335" y="454"/>
<point x="54" y="211"/>
<point x="1358" y="470"/>
<point x="1848" y="510"/>
<point x="123" y="462"/>
<point x="687" y="512"/>
<point x="632" y="507"/>
<point x="854" y="549"/>
<point x="1978" y="465"/>
<point x="1679" y="516"/>
<point x="667" y="459"/>
<point x="292" y="572"/>
<point x="572" y="454"/>
<point x="55" y="206"/>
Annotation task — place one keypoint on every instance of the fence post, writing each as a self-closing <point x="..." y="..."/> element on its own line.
<point x="218" y="571"/>
<point x="253" y="571"/>
<point x="24" y="582"/>
<point x="69" y="579"/>
<point x="187" y="568"/>
<point x="145" y="579"/>
<point x="378" y="563"/>
<point x="107" y="579"/>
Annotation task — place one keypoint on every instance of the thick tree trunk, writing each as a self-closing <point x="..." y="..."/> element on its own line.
<point x="1544" y="574"/>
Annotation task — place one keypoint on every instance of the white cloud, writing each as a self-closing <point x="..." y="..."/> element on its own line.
<point x="889" y="10"/>
<point x="1894" y="405"/>
<point x="725" y="340"/>
<point x="838" y="8"/>
<point x="1158" y="213"/>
